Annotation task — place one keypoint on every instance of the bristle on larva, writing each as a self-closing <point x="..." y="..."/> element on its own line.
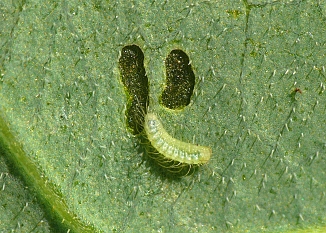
<point x="172" y="148"/>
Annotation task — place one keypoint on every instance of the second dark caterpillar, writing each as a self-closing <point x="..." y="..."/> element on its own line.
<point x="180" y="80"/>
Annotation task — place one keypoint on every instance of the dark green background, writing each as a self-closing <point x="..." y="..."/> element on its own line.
<point x="62" y="100"/>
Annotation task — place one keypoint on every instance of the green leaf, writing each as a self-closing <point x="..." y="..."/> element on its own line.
<point x="66" y="150"/>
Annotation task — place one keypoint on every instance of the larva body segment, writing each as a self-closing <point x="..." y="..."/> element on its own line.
<point x="172" y="148"/>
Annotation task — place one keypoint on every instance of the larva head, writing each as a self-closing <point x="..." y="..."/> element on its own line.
<point x="206" y="153"/>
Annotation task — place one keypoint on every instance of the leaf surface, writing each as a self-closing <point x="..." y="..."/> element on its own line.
<point x="63" y="102"/>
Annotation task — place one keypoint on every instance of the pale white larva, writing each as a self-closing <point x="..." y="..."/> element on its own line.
<point x="171" y="148"/>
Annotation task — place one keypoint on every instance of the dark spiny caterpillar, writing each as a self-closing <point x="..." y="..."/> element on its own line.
<point x="135" y="81"/>
<point x="180" y="80"/>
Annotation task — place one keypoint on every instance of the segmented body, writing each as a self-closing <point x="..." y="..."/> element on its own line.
<point x="172" y="148"/>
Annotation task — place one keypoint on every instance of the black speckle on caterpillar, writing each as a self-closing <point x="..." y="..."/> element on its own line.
<point x="135" y="81"/>
<point x="171" y="148"/>
<point x="180" y="80"/>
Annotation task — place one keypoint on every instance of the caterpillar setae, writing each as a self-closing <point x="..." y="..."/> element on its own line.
<point x="171" y="148"/>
